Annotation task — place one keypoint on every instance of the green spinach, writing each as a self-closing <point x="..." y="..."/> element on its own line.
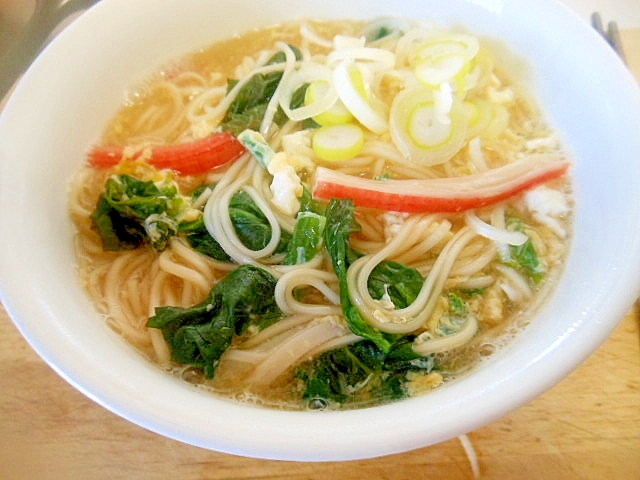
<point x="524" y="258"/>
<point x="361" y="373"/>
<point x="132" y="212"/>
<point x="307" y="239"/>
<point x="341" y="223"/>
<point x="249" y="107"/>
<point x="200" y="239"/>
<point x="250" y="224"/>
<point x="199" y="335"/>
<point x="401" y="283"/>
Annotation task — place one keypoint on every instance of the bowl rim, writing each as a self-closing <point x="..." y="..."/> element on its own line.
<point x="344" y="435"/>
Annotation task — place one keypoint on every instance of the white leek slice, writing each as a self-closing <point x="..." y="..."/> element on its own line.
<point x="311" y="36"/>
<point x="485" y="119"/>
<point x="443" y="102"/>
<point x="498" y="235"/>
<point x="335" y="115"/>
<point x="409" y="43"/>
<point x="446" y="68"/>
<point x="307" y="73"/>
<point x="423" y="134"/>
<point x="446" y="59"/>
<point x="376" y="58"/>
<point x="479" y="116"/>
<point x="499" y="120"/>
<point x="337" y="143"/>
<point x="346" y="41"/>
<point x="425" y="129"/>
<point x="347" y="81"/>
<point x="463" y="44"/>
<point x="481" y="70"/>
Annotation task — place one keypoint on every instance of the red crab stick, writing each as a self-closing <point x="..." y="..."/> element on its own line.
<point x="189" y="158"/>
<point x="454" y="194"/>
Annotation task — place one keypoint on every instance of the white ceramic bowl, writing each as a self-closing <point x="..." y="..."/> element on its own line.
<point x="74" y="87"/>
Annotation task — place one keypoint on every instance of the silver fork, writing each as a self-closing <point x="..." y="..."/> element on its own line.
<point x="611" y="34"/>
<point x="47" y="15"/>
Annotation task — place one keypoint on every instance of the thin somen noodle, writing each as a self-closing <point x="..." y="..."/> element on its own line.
<point x="364" y="212"/>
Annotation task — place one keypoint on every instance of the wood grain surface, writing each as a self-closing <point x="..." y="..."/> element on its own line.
<point x="586" y="427"/>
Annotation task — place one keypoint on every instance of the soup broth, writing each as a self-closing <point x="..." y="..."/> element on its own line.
<point x="324" y="215"/>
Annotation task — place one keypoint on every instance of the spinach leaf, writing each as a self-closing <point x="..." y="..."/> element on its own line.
<point x="249" y="106"/>
<point x="196" y="232"/>
<point x="336" y="375"/>
<point x="306" y="241"/>
<point x="401" y="283"/>
<point x="341" y="223"/>
<point x="251" y="225"/>
<point x="381" y="32"/>
<point x="457" y="305"/>
<point x="116" y="231"/>
<point x="201" y="240"/>
<point x="456" y="317"/>
<point x="131" y="212"/>
<point x="361" y="373"/>
<point x="199" y="335"/>
<point x="310" y="204"/>
<point x="524" y="258"/>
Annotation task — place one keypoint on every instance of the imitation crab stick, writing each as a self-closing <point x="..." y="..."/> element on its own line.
<point x="453" y="194"/>
<point x="189" y="158"/>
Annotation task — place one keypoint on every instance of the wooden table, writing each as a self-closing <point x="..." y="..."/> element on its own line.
<point x="586" y="427"/>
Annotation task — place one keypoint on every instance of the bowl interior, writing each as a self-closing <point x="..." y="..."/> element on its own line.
<point x="72" y="90"/>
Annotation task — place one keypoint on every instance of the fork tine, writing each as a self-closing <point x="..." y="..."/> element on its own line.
<point x="596" y="23"/>
<point x="611" y="35"/>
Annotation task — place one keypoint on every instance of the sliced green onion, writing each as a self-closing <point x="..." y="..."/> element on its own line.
<point x="421" y="132"/>
<point x="347" y="81"/>
<point x="336" y="114"/>
<point x="256" y="144"/>
<point x="446" y="68"/>
<point x="466" y="45"/>
<point x="307" y="73"/>
<point x="337" y="143"/>
<point x="484" y="118"/>
<point x="446" y="59"/>
<point x="376" y="58"/>
<point x="424" y="128"/>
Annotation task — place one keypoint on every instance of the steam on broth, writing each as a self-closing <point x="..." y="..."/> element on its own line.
<point x="324" y="214"/>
